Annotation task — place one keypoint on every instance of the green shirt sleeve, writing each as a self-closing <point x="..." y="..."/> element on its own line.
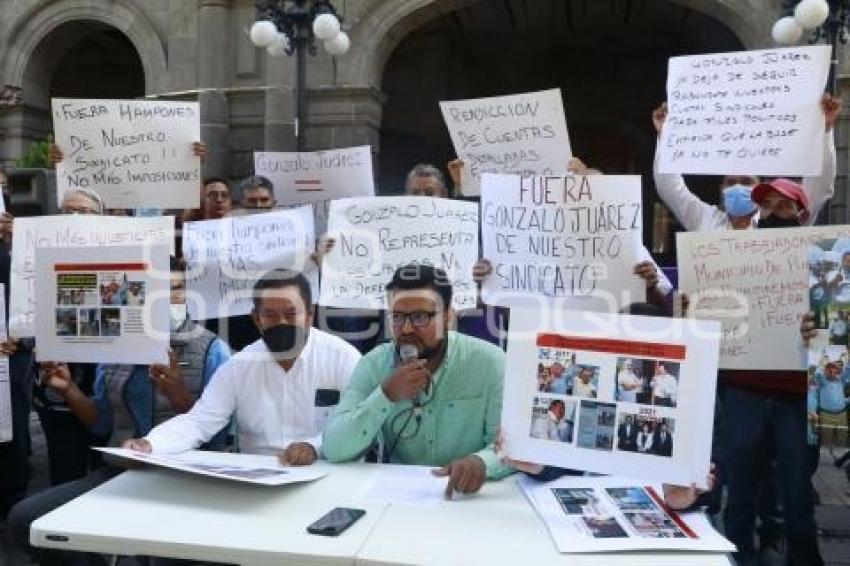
<point x="492" y="418"/>
<point x="358" y="418"/>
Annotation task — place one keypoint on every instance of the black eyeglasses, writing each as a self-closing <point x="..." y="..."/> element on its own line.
<point x="416" y="318"/>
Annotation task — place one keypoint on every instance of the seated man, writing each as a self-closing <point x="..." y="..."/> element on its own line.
<point x="125" y="405"/>
<point x="279" y="387"/>
<point x="432" y="395"/>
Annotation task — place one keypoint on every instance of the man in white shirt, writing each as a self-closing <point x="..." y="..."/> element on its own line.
<point x="628" y="383"/>
<point x="583" y="386"/>
<point x="278" y="387"/>
<point x="664" y="387"/>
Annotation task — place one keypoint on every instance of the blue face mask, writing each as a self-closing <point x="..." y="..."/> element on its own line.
<point x="737" y="200"/>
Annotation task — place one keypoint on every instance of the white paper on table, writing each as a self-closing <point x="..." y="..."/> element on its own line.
<point x="756" y="284"/>
<point x="374" y="236"/>
<point x="133" y="153"/>
<point x="66" y="231"/>
<point x="562" y="241"/>
<point x="582" y="516"/>
<point x="105" y="305"/>
<point x="246" y="468"/>
<point x="515" y="134"/>
<point x="226" y="257"/>
<point x="6" y="426"/>
<point x="746" y="113"/>
<point x="318" y="177"/>
<point x="406" y="485"/>
<point x="587" y="434"/>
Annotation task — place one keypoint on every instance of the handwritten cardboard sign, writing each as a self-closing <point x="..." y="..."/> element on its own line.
<point x="746" y="113"/>
<point x="571" y="240"/>
<point x="317" y="177"/>
<point x="519" y="134"/>
<point x="756" y="283"/>
<point x="133" y="153"/>
<point x="77" y="231"/>
<point x="375" y="236"/>
<point x="226" y="257"/>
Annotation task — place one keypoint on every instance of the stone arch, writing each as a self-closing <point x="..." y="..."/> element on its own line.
<point x="37" y="24"/>
<point x="383" y="26"/>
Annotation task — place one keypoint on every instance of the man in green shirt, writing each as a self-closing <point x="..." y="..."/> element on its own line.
<point x="431" y="396"/>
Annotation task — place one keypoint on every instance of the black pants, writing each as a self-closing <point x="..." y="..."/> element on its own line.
<point x="68" y="445"/>
<point x="14" y="455"/>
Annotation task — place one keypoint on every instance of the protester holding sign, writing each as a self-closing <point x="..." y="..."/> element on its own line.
<point x="128" y="401"/>
<point x="256" y="193"/>
<point x="417" y="393"/>
<point x="696" y="215"/>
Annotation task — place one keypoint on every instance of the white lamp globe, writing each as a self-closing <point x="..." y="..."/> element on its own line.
<point x="338" y="45"/>
<point x="325" y="27"/>
<point x="263" y="33"/>
<point x="786" y="31"/>
<point x="279" y="46"/>
<point x="811" y="14"/>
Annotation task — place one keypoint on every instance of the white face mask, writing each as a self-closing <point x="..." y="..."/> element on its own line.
<point x="178" y="316"/>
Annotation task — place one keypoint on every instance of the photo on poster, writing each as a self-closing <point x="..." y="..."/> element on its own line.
<point x="647" y="382"/>
<point x="135" y="294"/>
<point x="646" y="433"/>
<point x="110" y="322"/>
<point x="66" y="321"/>
<point x="552" y="419"/>
<point x="596" y="425"/>
<point x="829" y="291"/>
<point x="631" y="499"/>
<point x="578" y="501"/>
<point x="560" y="372"/>
<point x="654" y="525"/>
<point x="604" y="527"/>
<point x="89" y="322"/>
<point x="113" y="288"/>
<point x="235" y="472"/>
<point x="76" y="289"/>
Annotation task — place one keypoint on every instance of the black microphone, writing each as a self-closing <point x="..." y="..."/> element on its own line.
<point x="408" y="353"/>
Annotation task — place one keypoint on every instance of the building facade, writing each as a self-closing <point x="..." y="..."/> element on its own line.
<point x="609" y="59"/>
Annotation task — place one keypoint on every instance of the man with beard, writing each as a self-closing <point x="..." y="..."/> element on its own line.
<point x="276" y="387"/>
<point x="432" y="395"/>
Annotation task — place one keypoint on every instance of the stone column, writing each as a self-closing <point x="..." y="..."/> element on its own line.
<point x="213" y="73"/>
<point x="279" y="133"/>
<point x="344" y="116"/>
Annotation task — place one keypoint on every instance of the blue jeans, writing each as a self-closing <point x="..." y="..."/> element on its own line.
<point x="759" y="429"/>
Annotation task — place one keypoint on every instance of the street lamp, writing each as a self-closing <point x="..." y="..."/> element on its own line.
<point x="286" y="27"/>
<point x="821" y="18"/>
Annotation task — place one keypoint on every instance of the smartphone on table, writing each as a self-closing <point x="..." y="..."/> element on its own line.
<point x="335" y="521"/>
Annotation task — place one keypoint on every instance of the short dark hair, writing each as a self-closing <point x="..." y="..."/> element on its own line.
<point x="419" y="276"/>
<point x="254" y="182"/>
<point x="280" y="278"/>
<point x="556" y="403"/>
<point x="178" y="264"/>
<point x="222" y="180"/>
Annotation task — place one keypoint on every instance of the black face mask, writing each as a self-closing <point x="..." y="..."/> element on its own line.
<point x="773" y="221"/>
<point x="285" y="341"/>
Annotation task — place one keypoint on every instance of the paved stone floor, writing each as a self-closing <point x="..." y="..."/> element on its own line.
<point x="831" y="483"/>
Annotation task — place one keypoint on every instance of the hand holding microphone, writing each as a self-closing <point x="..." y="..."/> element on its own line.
<point x="409" y="378"/>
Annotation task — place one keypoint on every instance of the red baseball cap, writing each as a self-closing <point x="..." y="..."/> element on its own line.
<point x="785" y="187"/>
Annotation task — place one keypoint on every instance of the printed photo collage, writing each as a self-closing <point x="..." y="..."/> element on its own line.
<point x="828" y="357"/>
<point x="90" y="304"/>
<point x="609" y="402"/>
<point x="619" y="512"/>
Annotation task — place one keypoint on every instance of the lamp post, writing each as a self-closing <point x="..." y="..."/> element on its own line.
<point x="287" y="27"/>
<point x="826" y="19"/>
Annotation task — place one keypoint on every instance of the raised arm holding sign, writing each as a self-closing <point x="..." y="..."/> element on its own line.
<point x="515" y="134"/>
<point x="133" y="153"/>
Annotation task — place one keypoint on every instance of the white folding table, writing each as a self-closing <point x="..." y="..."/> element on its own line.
<point x="159" y="512"/>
